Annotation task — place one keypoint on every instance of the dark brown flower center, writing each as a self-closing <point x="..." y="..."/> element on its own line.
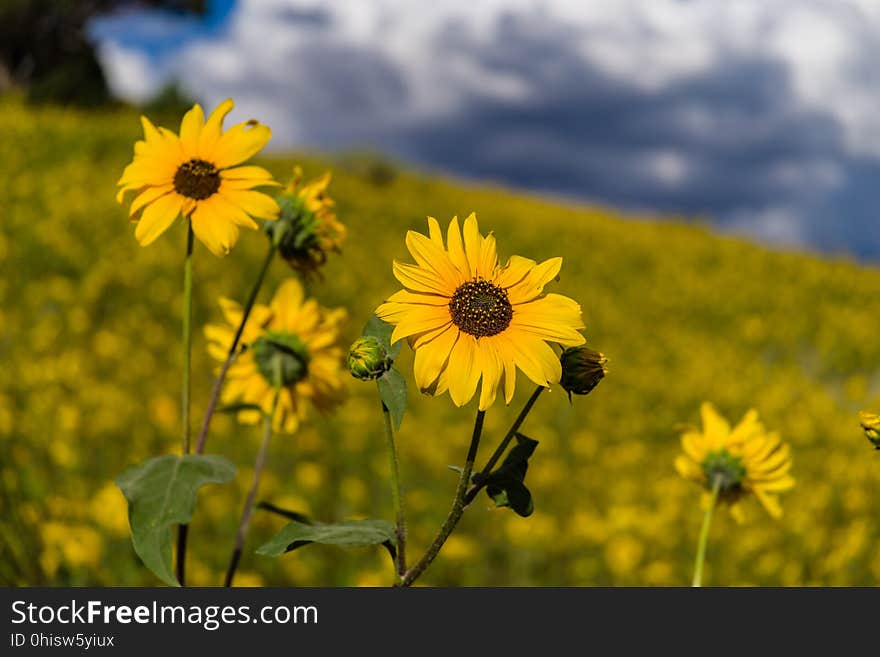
<point x="480" y="308"/>
<point x="197" y="179"/>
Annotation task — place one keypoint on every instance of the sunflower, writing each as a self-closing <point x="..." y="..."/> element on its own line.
<point x="743" y="460"/>
<point x="291" y="345"/>
<point x="468" y="318"/>
<point x="308" y="228"/>
<point x="871" y="426"/>
<point x="195" y="175"/>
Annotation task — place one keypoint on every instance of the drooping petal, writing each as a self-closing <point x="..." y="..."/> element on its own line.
<point x="157" y="217"/>
<point x="492" y="369"/>
<point x="405" y="296"/>
<point x="216" y="230"/>
<point x="148" y="196"/>
<point x="431" y="358"/>
<point x="424" y="319"/>
<point x="254" y="203"/>
<point x="463" y="370"/>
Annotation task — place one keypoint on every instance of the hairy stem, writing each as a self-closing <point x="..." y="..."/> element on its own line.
<point x="458" y="506"/>
<point x="396" y="497"/>
<point x="704" y="534"/>
<point x="247" y="512"/>
<point x="233" y="352"/>
<point x="480" y="477"/>
<point x="187" y="351"/>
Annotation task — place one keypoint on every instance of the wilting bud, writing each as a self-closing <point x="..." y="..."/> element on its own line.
<point x="281" y="358"/>
<point x="871" y="427"/>
<point x="368" y="359"/>
<point x="582" y="369"/>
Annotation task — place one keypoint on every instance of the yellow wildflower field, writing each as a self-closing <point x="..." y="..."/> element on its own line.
<point x="90" y="347"/>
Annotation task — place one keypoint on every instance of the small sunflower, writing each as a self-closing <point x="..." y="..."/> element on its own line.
<point x="308" y="228"/>
<point x="292" y="345"/>
<point x="195" y="175"/>
<point x="743" y="460"/>
<point x="871" y="426"/>
<point x="469" y="318"/>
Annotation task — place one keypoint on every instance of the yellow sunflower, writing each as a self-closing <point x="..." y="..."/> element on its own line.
<point x="308" y="228"/>
<point x="740" y="461"/>
<point x="195" y="175"/>
<point x="469" y="318"/>
<point x="292" y="345"/>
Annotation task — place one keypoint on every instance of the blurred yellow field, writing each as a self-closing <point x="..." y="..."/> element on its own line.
<point x="90" y="335"/>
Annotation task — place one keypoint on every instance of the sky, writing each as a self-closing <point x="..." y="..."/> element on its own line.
<point x="760" y="116"/>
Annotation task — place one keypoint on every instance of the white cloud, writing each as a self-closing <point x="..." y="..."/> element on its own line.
<point x="749" y="110"/>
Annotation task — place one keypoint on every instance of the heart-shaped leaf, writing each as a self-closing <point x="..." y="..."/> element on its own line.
<point x="382" y="330"/>
<point x="392" y="391"/>
<point x="161" y="492"/>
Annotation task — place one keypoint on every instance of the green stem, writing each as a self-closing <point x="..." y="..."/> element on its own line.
<point x="480" y="477"/>
<point x="232" y="353"/>
<point x="187" y="333"/>
<point x="247" y="512"/>
<point x="396" y="497"/>
<point x="455" y="513"/>
<point x="704" y="533"/>
<point x="187" y="351"/>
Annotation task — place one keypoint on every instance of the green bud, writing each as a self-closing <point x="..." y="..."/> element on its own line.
<point x="871" y="427"/>
<point x="582" y="369"/>
<point x="281" y="358"/>
<point x="368" y="359"/>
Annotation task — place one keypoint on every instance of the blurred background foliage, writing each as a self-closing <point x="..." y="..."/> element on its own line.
<point x="90" y="346"/>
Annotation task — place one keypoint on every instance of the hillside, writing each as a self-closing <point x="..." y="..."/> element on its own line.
<point x="89" y="340"/>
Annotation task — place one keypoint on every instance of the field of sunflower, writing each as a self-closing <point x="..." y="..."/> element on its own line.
<point x="90" y="339"/>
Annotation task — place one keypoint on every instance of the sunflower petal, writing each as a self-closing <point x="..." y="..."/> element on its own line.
<point x="214" y="228"/>
<point x="157" y="217"/>
<point x="190" y="129"/>
<point x="213" y="130"/>
<point x="241" y="142"/>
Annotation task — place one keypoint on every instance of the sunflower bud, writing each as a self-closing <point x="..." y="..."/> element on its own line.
<point x="582" y="369"/>
<point x="368" y="359"/>
<point x="871" y="427"/>
<point x="281" y="358"/>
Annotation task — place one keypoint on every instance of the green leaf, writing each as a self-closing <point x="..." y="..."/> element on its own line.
<point x="506" y="485"/>
<point x="392" y="391"/>
<point x="349" y="533"/>
<point x="161" y="492"/>
<point x="382" y="331"/>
